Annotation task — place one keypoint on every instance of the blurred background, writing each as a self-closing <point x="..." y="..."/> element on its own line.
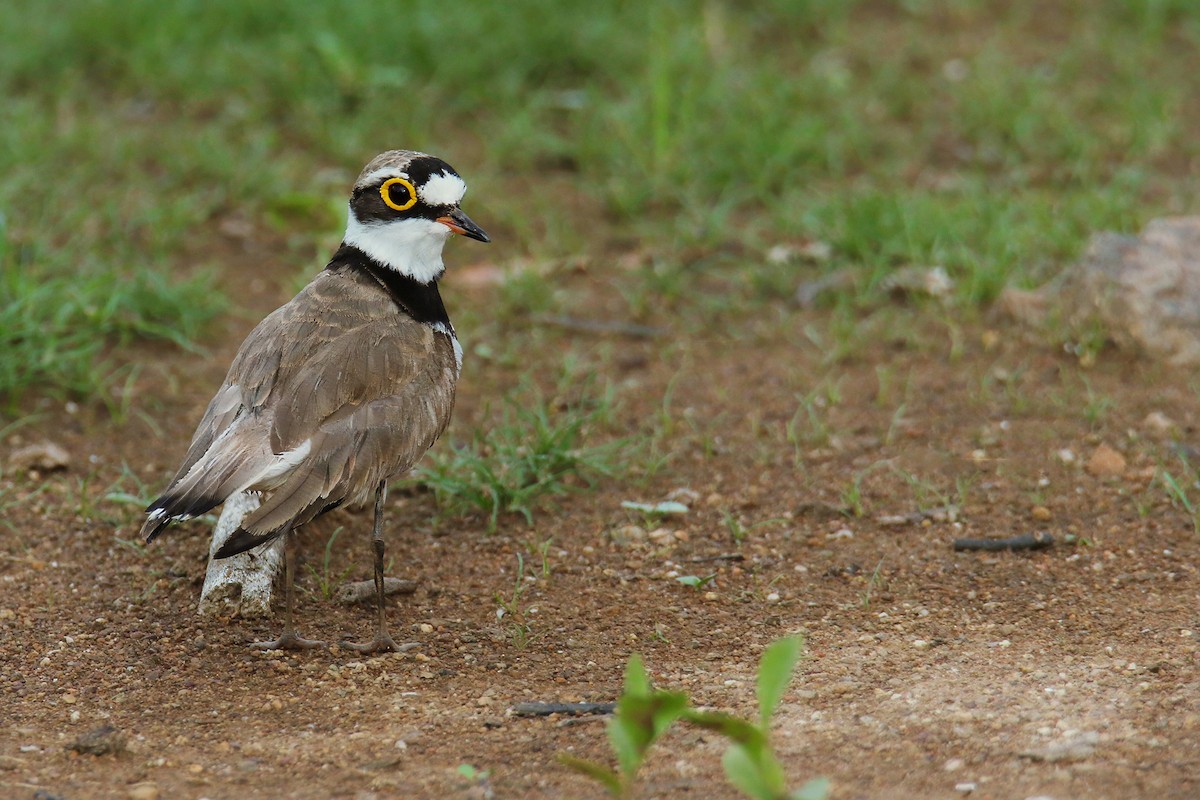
<point x="690" y="136"/>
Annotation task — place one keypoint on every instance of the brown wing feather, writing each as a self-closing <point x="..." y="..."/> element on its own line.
<point x="340" y="367"/>
<point x="364" y="443"/>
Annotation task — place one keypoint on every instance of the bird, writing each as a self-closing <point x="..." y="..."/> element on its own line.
<point x="342" y="389"/>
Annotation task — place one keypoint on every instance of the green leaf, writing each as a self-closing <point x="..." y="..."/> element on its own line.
<point x="743" y="773"/>
<point x="667" y="707"/>
<point x="816" y="789"/>
<point x="597" y="772"/>
<point x="642" y="716"/>
<point x="733" y="728"/>
<point x="774" y="673"/>
<point x="626" y="743"/>
<point x="636" y="680"/>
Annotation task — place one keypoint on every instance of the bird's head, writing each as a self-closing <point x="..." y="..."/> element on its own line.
<point x="403" y="208"/>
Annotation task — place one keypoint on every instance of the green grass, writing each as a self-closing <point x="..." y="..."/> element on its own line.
<point x="521" y="456"/>
<point x="990" y="138"/>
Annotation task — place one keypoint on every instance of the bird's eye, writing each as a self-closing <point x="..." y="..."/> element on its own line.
<point x="398" y="194"/>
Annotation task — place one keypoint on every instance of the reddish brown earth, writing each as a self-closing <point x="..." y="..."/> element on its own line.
<point x="926" y="667"/>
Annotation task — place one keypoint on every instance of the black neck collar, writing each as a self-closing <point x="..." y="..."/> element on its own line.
<point x="421" y="301"/>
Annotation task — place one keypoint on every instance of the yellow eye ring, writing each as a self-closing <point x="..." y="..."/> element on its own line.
<point x="384" y="192"/>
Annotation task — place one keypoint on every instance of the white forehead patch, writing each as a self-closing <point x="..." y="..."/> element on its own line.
<point x="442" y="189"/>
<point x="379" y="175"/>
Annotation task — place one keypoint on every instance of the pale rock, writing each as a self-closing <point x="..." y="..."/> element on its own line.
<point x="144" y="791"/>
<point x="40" y="457"/>
<point x="1143" y="291"/>
<point x="1106" y="462"/>
<point x="1159" y="423"/>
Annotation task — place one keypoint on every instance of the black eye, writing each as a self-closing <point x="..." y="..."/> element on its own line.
<point x="398" y="193"/>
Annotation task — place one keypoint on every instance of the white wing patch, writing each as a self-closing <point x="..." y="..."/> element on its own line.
<point x="283" y="463"/>
<point x="441" y="327"/>
<point x="443" y="189"/>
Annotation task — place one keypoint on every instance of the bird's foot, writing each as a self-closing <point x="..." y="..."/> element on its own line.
<point x="288" y="640"/>
<point x="382" y="643"/>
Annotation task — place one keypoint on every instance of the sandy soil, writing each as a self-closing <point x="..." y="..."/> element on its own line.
<point x="1069" y="672"/>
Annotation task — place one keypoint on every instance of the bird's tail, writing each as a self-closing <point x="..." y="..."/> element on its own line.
<point x="174" y="508"/>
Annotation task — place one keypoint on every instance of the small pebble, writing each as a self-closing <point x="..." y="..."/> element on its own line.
<point x="100" y="741"/>
<point x="1158" y="422"/>
<point x="1040" y="513"/>
<point x="954" y="765"/>
<point x="1106" y="462"/>
<point x="40" y="457"/>
<point x="144" y="791"/>
<point x="966" y="787"/>
<point x="1076" y="748"/>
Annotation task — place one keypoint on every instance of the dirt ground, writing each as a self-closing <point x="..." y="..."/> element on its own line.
<point x="1068" y="672"/>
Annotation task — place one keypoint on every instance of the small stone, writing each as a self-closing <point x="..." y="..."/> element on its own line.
<point x="40" y="457"/>
<point x="1066" y="456"/>
<point x="1040" y="513"/>
<point x="70" y="699"/>
<point x="966" y="787"/>
<point x="627" y="535"/>
<point x="1077" y="748"/>
<point x="100" y="741"/>
<point x="144" y="791"/>
<point x="358" y="591"/>
<point x="954" y="765"/>
<point x="659" y="534"/>
<point x="1106" y="462"/>
<point x="7" y="613"/>
<point x="1158" y="422"/>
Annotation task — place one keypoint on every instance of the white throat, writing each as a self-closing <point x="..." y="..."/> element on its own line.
<point x="412" y="247"/>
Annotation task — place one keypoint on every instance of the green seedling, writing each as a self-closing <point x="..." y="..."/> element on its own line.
<point x="739" y="531"/>
<point x="695" y="581"/>
<point x="327" y="583"/>
<point x="750" y="763"/>
<point x="519" y="629"/>
<point x="872" y="584"/>
<point x="644" y="714"/>
<point x="1180" y="496"/>
<point x="543" y="551"/>
<point x="1096" y="409"/>
<point x="473" y="773"/>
